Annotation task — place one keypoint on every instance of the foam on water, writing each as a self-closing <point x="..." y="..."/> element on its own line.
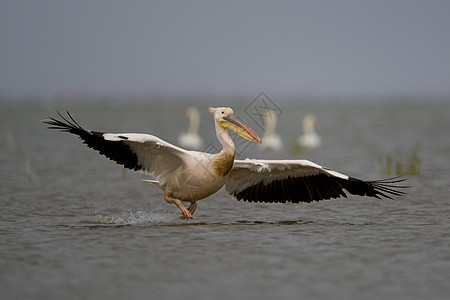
<point x="138" y="217"/>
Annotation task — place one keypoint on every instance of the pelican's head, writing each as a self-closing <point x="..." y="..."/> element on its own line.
<point x="223" y="117"/>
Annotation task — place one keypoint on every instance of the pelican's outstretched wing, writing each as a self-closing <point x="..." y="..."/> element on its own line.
<point x="299" y="181"/>
<point x="139" y="152"/>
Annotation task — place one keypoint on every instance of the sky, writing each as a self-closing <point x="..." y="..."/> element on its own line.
<point x="130" y="48"/>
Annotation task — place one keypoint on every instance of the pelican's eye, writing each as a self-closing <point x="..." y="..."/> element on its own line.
<point x="222" y="112"/>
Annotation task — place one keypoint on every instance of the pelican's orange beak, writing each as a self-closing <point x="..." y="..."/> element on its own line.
<point x="243" y="130"/>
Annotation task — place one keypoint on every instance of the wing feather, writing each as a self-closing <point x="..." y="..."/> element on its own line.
<point x="300" y="181"/>
<point x="138" y="152"/>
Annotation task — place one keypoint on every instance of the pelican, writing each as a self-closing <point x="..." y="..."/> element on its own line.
<point x="191" y="139"/>
<point x="189" y="176"/>
<point x="272" y="141"/>
<point x="309" y="138"/>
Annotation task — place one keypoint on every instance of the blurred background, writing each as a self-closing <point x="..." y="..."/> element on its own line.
<point x="360" y="87"/>
<point x="224" y="49"/>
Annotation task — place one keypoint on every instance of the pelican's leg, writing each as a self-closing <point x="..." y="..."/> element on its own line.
<point x="192" y="207"/>
<point x="186" y="214"/>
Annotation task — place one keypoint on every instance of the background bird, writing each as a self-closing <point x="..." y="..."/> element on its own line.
<point x="272" y="140"/>
<point x="309" y="139"/>
<point x="191" y="139"/>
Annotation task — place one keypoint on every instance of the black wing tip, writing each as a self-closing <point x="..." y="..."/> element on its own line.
<point x="118" y="152"/>
<point x="383" y="188"/>
<point x="67" y="124"/>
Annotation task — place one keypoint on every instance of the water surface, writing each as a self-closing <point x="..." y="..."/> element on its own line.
<point x="74" y="225"/>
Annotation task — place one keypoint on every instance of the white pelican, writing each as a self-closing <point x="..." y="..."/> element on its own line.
<point x="191" y="139"/>
<point x="188" y="176"/>
<point x="272" y="141"/>
<point x="309" y="138"/>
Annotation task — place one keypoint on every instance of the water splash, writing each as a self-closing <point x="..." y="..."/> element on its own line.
<point x="139" y="217"/>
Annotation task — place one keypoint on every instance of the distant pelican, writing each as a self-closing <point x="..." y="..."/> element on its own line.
<point x="191" y="139"/>
<point x="309" y="138"/>
<point x="189" y="176"/>
<point x="272" y="141"/>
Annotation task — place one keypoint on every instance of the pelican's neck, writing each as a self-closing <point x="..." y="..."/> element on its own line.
<point x="223" y="163"/>
<point x="224" y="139"/>
<point x="194" y="123"/>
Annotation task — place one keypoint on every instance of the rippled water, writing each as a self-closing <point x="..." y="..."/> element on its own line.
<point x="74" y="225"/>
